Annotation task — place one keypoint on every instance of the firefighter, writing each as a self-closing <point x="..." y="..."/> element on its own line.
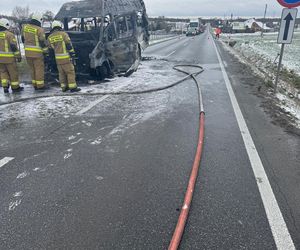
<point x="9" y="54"/>
<point x="60" y="42"/>
<point x="33" y="37"/>
<point x="218" y="32"/>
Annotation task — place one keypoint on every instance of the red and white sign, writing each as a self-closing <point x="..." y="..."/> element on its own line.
<point x="289" y="3"/>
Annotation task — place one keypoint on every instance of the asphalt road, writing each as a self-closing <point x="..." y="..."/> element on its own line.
<point x="114" y="176"/>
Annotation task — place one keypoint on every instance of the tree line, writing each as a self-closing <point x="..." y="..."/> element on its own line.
<point x="20" y="13"/>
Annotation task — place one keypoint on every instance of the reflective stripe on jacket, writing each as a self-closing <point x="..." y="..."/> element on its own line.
<point x="61" y="43"/>
<point x="34" y="39"/>
<point x="7" y="41"/>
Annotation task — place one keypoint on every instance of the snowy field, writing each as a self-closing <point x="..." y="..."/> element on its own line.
<point x="253" y="45"/>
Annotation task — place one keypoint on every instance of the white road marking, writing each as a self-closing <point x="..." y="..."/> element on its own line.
<point x="278" y="226"/>
<point x="171" y="53"/>
<point x="93" y="104"/>
<point x="96" y="102"/>
<point x="5" y="160"/>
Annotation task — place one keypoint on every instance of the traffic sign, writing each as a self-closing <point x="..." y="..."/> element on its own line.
<point x="287" y="26"/>
<point x="289" y="3"/>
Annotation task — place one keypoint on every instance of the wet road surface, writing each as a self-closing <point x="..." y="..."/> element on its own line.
<point x="114" y="176"/>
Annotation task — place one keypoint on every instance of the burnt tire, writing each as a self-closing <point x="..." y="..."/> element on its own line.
<point x="102" y="72"/>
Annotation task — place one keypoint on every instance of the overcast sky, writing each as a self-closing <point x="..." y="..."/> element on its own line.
<point x="171" y="7"/>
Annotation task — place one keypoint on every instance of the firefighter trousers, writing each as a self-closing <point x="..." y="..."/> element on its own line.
<point x="9" y="75"/>
<point x="37" y="69"/>
<point x="67" y="76"/>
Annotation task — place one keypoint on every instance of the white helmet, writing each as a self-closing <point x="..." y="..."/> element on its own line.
<point x="56" y="24"/>
<point x="38" y="17"/>
<point x="4" y="23"/>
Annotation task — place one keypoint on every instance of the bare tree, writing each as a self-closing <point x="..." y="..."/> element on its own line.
<point x="21" y="13"/>
<point x="48" y="15"/>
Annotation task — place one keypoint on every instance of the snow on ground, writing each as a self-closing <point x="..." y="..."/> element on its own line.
<point x="151" y="74"/>
<point x="253" y="45"/>
<point x="290" y="106"/>
<point x="261" y="54"/>
<point x="129" y="110"/>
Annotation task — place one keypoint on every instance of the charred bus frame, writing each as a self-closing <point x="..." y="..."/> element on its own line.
<point x="108" y="36"/>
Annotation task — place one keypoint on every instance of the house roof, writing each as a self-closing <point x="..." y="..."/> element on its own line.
<point x="251" y="21"/>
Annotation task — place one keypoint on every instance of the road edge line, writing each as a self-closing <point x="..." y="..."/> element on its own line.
<point x="281" y="235"/>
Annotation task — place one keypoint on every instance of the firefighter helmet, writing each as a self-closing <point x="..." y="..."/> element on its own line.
<point x="4" y="23"/>
<point x="56" y="24"/>
<point x="37" y="17"/>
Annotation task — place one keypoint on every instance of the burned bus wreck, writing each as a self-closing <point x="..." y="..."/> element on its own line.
<point x="108" y="36"/>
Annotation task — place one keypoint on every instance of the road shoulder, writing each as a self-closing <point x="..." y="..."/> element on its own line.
<point x="275" y="137"/>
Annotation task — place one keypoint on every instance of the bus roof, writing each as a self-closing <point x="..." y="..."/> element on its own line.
<point x="92" y="8"/>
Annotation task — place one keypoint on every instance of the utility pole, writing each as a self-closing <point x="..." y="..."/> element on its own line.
<point x="264" y="21"/>
<point x="279" y="67"/>
<point x="285" y="35"/>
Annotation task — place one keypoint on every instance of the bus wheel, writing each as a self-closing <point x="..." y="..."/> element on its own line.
<point x="102" y="72"/>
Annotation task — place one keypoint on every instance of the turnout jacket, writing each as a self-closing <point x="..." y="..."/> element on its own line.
<point x="61" y="43"/>
<point x="34" y="40"/>
<point x="8" y="47"/>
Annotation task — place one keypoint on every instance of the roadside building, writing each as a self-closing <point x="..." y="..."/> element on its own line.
<point x="256" y="26"/>
<point x="180" y="27"/>
<point x="238" y="27"/>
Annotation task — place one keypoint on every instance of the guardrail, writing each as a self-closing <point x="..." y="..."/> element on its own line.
<point x="154" y="37"/>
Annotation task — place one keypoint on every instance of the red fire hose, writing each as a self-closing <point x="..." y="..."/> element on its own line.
<point x="177" y="235"/>
<point x="179" y="230"/>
